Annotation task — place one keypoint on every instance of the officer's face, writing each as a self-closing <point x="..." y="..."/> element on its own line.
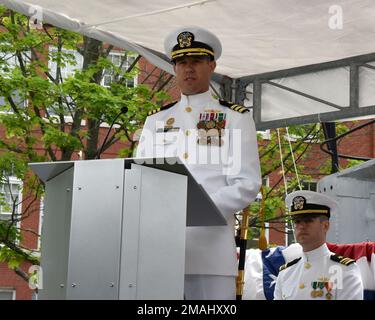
<point x="310" y="232"/>
<point x="193" y="74"/>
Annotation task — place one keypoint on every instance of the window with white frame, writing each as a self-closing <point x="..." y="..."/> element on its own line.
<point x="309" y="185"/>
<point x="289" y="236"/>
<point x="7" y="294"/>
<point x="11" y="60"/>
<point x="41" y="216"/>
<point x="11" y="195"/>
<point x="69" y="68"/>
<point x="265" y="134"/>
<point x="122" y="60"/>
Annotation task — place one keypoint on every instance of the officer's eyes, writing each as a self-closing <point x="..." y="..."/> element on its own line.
<point x="304" y="220"/>
<point x="192" y="61"/>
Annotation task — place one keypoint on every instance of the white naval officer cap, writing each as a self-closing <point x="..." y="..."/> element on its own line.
<point x="305" y="203"/>
<point x="192" y="41"/>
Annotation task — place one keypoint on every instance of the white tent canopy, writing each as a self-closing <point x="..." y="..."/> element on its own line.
<point x="272" y="50"/>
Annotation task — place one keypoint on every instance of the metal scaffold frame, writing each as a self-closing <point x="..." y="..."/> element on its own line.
<point x="237" y="89"/>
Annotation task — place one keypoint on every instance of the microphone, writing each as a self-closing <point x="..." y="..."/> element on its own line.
<point x="122" y="111"/>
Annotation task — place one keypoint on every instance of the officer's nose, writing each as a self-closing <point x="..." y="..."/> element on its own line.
<point x="189" y="67"/>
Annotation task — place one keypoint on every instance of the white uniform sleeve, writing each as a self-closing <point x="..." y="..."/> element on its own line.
<point x="243" y="176"/>
<point x="352" y="286"/>
<point x="277" y="294"/>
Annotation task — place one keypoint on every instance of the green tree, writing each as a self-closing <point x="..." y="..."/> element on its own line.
<point x="46" y="115"/>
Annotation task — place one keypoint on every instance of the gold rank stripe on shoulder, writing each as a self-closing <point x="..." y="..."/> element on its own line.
<point x="162" y="108"/>
<point x="234" y="107"/>
<point x="284" y="266"/>
<point x="154" y="111"/>
<point x="239" y="108"/>
<point x="343" y="260"/>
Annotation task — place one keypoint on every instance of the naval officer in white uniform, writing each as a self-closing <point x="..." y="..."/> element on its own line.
<point x="217" y="141"/>
<point x="319" y="274"/>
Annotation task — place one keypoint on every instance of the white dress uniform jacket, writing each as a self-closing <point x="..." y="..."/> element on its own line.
<point x="318" y="276"/>
<point x="230" y="173"/>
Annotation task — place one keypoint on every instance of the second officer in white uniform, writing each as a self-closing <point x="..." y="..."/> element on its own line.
<point x="217" y="141"/>
<point x="319" y="274"/>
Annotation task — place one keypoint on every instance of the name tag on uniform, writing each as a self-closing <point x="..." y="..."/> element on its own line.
<point x="167" y="129"/>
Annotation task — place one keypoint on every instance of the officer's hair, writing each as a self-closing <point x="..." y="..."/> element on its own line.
<point x="323" y="218"/>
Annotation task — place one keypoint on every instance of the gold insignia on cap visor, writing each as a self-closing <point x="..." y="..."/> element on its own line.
<point x="185" y="38"/>
<point x="298" y="203"/>
<point x="301" y="206"/>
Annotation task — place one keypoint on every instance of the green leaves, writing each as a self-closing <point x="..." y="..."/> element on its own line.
<point x="8" y="256"/>
<point x="53" y="104"/>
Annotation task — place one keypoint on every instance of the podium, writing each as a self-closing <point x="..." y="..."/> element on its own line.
<point x="115" y="229"/>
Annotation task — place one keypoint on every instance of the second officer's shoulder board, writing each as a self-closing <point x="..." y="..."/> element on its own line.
<point x="286" y="265"/>
<point x="343" y="260"/>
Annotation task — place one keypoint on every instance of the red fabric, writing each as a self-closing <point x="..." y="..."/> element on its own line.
<point x="354" y="250"/>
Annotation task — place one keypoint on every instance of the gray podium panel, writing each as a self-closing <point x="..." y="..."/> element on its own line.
<point x="153" y="262"/>
<point x="56" y="232"/>
<point x="96" y="230"/>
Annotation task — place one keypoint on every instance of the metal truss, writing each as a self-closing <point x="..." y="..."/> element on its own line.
<point x="236" y="89"/>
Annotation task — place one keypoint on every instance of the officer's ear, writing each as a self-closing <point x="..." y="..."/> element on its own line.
<point x="326" y="225"/>
<point x="212" y="64"/>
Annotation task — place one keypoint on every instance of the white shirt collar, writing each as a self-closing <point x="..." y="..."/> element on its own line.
<point x="316" y="253"/>
<point x="197" y="100"/>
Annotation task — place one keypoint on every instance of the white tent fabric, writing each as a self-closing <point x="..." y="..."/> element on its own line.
<point x="258" y="37"/>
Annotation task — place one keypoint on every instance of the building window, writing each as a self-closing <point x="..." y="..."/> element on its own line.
<point x="69" y="68"/>
<point x="290" y="239"/>
<point x="122" y="60"/>
<point x="309" y="185"/>
<point x="266" y="134"/>
<point x="7" y="294"/>
<point x="11" y="195"/>
<point x="41" y="216"/>
<point x="11" y="60"/>
<point x="10" y="200"/>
